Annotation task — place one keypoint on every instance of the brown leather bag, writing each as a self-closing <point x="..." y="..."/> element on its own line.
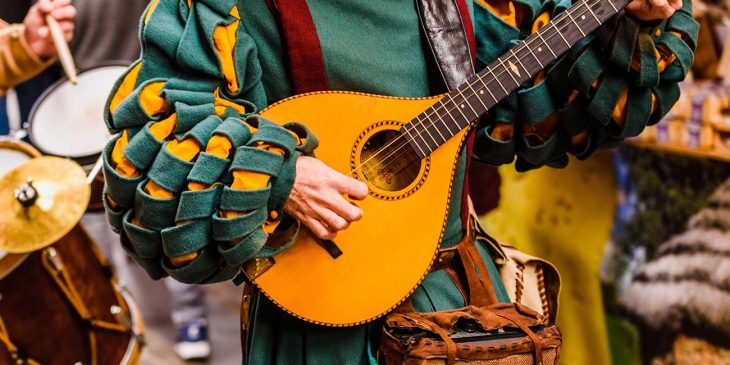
<point x="484" y="332"/>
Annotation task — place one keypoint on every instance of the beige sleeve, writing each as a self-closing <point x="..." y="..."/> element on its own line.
<point x="17" y="61"/>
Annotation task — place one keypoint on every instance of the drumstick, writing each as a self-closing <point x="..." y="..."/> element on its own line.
<point x="64" y="53"/>
<point x="95" y="170"/>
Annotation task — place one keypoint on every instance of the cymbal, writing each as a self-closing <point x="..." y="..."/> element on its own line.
<point x="41" y="201"/>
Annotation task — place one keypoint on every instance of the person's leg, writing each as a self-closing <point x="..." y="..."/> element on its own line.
<point x="188" y="302"/>
<point x="189" y="314"/>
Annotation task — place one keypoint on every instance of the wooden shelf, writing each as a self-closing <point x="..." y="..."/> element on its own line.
<point x="691" y="152"/>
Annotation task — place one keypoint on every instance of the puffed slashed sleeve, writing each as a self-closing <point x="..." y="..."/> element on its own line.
<point x="610" y="86"/>
<point x="195" y="180"/>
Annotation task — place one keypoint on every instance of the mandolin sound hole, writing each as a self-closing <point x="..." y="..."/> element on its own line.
<point x="388" y="163"/>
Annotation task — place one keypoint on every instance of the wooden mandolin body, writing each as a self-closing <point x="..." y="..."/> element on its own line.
<point x="387" y="254"/>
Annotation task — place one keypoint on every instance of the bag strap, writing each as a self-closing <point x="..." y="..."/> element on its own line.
<point x="479" y="282"/>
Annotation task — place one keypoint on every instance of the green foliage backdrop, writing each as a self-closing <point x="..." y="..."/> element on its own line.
<point x="670" y="189"/>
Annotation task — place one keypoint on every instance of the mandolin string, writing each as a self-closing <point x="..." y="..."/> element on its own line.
<point x="419" y="134"/>
<point x="465" y="97"/>
<point x="427" y="117"/>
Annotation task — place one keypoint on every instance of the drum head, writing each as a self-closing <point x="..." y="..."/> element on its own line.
<point x="68" y="120"/>
<point x="13" y="153"/>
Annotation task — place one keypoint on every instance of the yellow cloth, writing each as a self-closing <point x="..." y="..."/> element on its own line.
<point x="17" y="61"/>
<point x="565" y="216"/>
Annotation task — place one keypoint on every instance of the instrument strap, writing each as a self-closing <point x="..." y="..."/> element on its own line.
<point x="306" y="62"/>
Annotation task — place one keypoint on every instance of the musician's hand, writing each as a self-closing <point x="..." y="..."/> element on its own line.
<point x="37" y="33"/>
<point x="318" y="198"/>
<point x="648" y="10"/>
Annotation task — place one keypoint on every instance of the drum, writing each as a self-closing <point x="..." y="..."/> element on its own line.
<point x="68" y="120"/>
<point x="12" y="154"/>
<point x="63" y="306"/>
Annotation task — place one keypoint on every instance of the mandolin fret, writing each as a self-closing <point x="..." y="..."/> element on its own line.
<point x="459" y="108"/>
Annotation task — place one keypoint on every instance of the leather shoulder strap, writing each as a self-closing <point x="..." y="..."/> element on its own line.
<point x="448" y="28"/>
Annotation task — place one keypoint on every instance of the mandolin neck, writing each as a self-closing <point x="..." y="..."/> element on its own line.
<point x="476" y="96"/>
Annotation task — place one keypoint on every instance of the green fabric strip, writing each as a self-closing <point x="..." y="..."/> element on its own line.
<point x="208" y="169"/>
<point x="152" y="212"/>
<point x="624" y="42"/>
<point x="666" y="95"/>
<point x="684" y="54"/>
<point x="244" y="200"/>
<point x="151" y="266"/>
<point x="129" y="113"/>
<point x="244" y="249"/>
<point x="185" y="94"/>
<point x="224" y="274"/>
<point x="586" y="70"/>
<point x="310" y="141"/>
<point x="233" y="229"/>
<point x="202" y="131"/>
<point x="120" y="188"/>
<point x="142" y="148"/>
<point x="649" y="70"/>
<point x="281" y="229"/>
<point x="493" y="151"/>
<point x="187" y="238"/>
<point x="531" y="112"/>
<point x="282" y="184"/>
<point x="573" y="117"/>
<point x="205" y="265"/>
<point x="108" y="120"/>
<point x="682" y="22"/>
<point x="188" y="116"/>
<point x="275" y="135"/>
<point x="606" y="98"/>
<point x="145" y="242"/>
<point x="547" y="152"/>
<point x="169" y="172"/>
<point x="638" y="111"/>
<point x="257" y="160"/>
<point x="198" y="204"/>
<point x="235" y="130"/>
<point x="673" y="73"/>
<point x="113" y="216"/>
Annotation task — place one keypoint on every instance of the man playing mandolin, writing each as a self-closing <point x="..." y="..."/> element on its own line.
<point x="199" y="184"/>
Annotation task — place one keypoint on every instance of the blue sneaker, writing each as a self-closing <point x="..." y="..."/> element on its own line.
<point x="192" y="341"/>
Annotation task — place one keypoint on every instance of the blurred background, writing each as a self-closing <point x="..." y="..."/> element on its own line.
<point x="640" y="235"/>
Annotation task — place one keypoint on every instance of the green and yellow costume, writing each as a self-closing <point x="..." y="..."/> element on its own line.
<point x="196" y="182"/>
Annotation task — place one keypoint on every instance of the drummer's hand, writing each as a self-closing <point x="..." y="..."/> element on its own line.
<point x="318" y="201"/>
<point x="653" y="9"/>
<point x="37" y="33"/>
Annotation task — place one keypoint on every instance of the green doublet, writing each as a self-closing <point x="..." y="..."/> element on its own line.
<point x="376" y="46"/>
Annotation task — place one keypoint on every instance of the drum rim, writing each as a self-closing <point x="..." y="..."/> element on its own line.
<point x="83" y="160"/>
<point x="19" y="145"/>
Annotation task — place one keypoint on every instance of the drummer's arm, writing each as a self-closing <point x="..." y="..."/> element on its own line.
<point x="17" y="62"/>
<point x="26" y="49"/>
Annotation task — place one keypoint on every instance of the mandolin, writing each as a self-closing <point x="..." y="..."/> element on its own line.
<point x="405" y="150"/>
